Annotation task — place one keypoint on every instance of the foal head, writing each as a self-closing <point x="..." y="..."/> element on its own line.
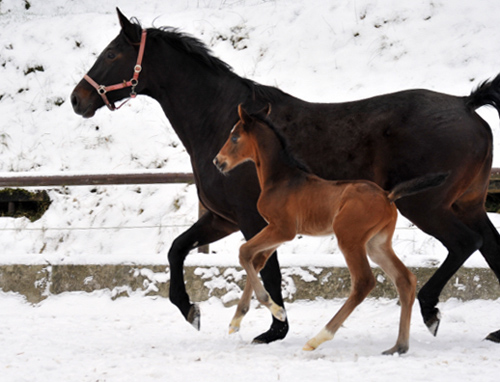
<point x="241" y="145"/>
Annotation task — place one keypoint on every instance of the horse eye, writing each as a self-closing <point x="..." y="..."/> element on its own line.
<point x="111" y="55"/>
<point x="234" y="139"/>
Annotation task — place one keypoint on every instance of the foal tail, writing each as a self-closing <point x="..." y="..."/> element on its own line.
<point x="416" y="185"/>
<point x="487" y="93"/>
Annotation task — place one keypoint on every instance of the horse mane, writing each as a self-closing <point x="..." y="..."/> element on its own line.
<point x="197" y="49"/>
<point x="286" y="151"/>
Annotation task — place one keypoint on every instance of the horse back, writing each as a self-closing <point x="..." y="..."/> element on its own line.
<point x="391" y="138"/>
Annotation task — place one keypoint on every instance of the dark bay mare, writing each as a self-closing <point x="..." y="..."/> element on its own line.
<point x="387" y="139"/>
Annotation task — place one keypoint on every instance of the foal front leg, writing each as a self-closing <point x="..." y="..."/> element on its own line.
<point x="253" y="257"/>
<point x="244" y="303"/>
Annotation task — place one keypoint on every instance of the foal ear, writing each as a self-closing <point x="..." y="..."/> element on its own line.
<point x="244" y="116"/>
<point x="132" y="31"/>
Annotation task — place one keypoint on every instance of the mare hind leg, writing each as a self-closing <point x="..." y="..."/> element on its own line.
<point x="381" y="252"/>
<point x="460" y="240"/>
<point x="490" y="251"/>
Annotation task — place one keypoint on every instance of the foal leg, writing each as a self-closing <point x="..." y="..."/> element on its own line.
<point x="253" y="257"/>
<point x="244" y="303"/>
<point x="362" y="283"/>
<point x="381" y="252"/>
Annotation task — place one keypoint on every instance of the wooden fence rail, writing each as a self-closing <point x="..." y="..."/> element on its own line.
<point x="94" y="179"/>
<point x="36" y="180"/>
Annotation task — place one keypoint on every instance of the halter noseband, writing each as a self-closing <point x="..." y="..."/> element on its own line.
<point x="102" y="90"/>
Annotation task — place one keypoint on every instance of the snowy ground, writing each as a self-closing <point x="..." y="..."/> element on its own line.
<point x="317" y="50"/>
<point x="82" y="337"/>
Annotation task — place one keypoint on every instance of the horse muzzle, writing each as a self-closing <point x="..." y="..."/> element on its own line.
<point x="79" y="100"/>
<point x="220" y="164"/>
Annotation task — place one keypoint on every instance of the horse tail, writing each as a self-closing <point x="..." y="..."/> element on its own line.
<point x="487" y="93"/>
<point x="416" y="185"/>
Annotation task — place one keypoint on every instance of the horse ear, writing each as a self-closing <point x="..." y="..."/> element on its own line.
<point x="131" y="30"/>
<point x="244" y="116"/>
<point x="264" y="112"/>
<point x="267" y="110"/>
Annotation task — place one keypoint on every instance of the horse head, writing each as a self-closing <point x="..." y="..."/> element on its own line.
<point x="115" y="74"/>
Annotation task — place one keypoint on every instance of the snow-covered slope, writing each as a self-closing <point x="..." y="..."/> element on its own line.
<point x="317" y="50"/>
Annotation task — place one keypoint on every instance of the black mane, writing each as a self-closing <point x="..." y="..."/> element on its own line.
<point x="289" y="157"/>
<point x="191" y="46"/>
<point x="196" y="48"/>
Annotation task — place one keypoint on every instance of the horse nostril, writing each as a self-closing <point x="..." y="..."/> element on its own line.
<point x="220" y="165"/>
<point x="74" y="100"/>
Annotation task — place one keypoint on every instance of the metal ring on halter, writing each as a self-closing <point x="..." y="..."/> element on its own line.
<point x="137" y="68"/>
<point x="101" y="90"/>
<point x="134" y="82"/>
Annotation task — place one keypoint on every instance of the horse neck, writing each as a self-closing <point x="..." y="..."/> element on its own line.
<point x="196" y="99"/>
<point x="270" y="162"/>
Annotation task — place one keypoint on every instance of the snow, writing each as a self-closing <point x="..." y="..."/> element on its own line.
<point x="88" y="337"/>
<point x="316" y="50"/>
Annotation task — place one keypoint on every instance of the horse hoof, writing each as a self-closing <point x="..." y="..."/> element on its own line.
<point x="194" y="316"/>
<point x="233" y="329"/>
<point x="279" y="313"/>
<point x="308" y="347"/>
<point x="432" y="322"/>
<point x="278" y="331"/>
<point x="399" y="349"/>
<point x="495" y="337"/>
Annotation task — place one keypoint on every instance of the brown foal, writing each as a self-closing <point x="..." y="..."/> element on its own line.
<point x="294" y="201"/>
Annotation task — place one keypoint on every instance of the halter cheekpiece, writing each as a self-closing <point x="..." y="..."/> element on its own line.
<point x="132" y="83"/>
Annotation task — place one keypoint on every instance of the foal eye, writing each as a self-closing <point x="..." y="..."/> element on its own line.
<point x="111" y="55"/>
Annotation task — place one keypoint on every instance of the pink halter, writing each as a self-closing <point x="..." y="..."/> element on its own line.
<point x="102" y="90"/>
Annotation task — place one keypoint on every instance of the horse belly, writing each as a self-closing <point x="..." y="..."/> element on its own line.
<point x="316" y="221"/>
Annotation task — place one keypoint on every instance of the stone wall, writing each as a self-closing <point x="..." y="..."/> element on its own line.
<point x="37" y="282"/>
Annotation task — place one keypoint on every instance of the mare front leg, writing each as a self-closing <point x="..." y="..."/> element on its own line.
<point x="207" y="229"/>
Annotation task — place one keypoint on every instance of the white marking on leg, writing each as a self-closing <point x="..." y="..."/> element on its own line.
<point x="313" y="343"/>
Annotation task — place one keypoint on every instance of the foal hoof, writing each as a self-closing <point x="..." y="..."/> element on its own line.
<point x="399" y="349"/>
<point x="194" y="316"/>
<point x="432" y="321"/>
<point x="278" y="312"/>
<point x="308" y="347"/>
<point x="494" y="337"/>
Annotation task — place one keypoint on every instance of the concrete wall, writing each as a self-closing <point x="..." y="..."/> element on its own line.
<point x="37" y="282"/>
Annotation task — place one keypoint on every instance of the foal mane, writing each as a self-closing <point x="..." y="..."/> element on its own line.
<point x="287" y="154"/>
